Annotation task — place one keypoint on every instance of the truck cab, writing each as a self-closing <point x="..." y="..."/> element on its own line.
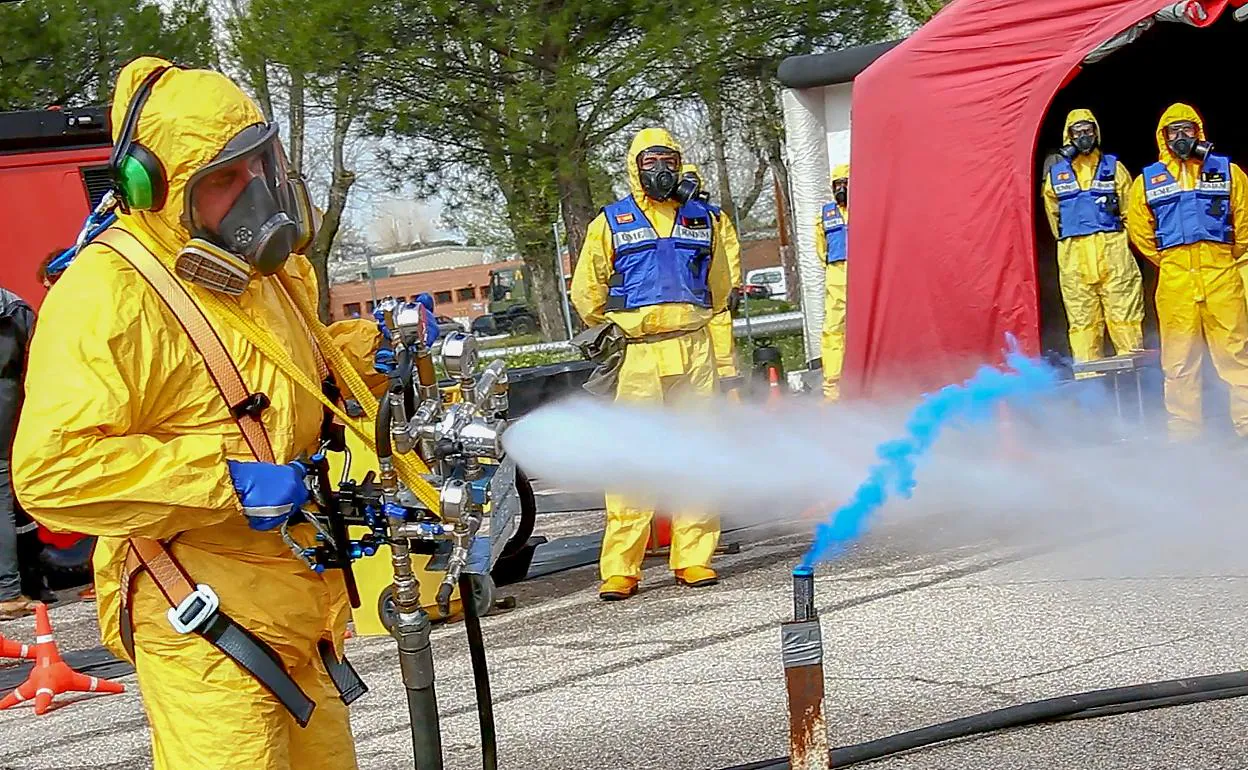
<point x="53" y="172"/>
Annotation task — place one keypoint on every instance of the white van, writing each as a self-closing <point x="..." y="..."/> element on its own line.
<point x="772" y="278"/>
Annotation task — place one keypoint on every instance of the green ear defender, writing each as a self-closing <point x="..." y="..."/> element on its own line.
<point x="137" y="175"/>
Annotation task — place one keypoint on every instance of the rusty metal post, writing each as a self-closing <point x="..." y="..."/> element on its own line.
<point x="801" y="644"/>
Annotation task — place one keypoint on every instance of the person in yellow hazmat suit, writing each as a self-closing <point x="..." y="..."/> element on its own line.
<point x="654" y="267"/>
<point x="720" y="327"/>
<point x="1084" y="193"/>
<point x="831" y="243"/>
<point x="126" y="433"/>
<point x="1188" y="214"/>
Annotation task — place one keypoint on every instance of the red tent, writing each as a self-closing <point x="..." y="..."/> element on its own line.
<point x="944" y="189"/>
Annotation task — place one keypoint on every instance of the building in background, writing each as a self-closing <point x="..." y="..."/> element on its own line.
<point x="457" y="276"/>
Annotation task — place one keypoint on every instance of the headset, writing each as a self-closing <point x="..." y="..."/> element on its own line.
<point x="137" y="175"/>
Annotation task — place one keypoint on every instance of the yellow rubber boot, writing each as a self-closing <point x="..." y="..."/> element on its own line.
<point x="696" y="577"/>
<point x="617" y="588"/>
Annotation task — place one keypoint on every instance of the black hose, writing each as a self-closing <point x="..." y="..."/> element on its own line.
<point x="480" y="674"/>
<point x="382" y="431"/>
<point x="1087" y="705"/>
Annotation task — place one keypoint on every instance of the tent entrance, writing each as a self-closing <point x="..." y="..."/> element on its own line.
<point x="1128" y="91"/>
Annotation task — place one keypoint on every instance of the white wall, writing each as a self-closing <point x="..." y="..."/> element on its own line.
<point x="816" y="123"/>
<point x="836" y="104"/>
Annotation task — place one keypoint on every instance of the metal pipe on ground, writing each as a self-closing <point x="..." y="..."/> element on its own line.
<point x="801" y="645"/>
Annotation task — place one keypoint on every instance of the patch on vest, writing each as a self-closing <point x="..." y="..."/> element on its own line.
<point x="1158" y="179"/>
<point x="695" y="222"/>
<point x="1062" y="176"/>
<point x="624" y="219"/>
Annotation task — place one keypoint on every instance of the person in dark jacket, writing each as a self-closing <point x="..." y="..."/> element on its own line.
<point x="17" y="321"/>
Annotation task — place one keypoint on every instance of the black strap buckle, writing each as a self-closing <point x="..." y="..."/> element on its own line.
<point x="253" y="406"/>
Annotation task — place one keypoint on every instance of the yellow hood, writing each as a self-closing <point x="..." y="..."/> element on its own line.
<point x="188" y="118"/>
<point x="841" y="171"/>
<point x="646" y="137"/>
<point x="1176" y="111"/>
<point x="1079" y="116"/>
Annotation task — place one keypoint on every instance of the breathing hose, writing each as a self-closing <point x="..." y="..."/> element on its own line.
<point x="1087" y="705"/>
<point x="480" y="674"/>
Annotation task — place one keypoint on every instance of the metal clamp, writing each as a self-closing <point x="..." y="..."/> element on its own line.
<point x="194" y="612"/>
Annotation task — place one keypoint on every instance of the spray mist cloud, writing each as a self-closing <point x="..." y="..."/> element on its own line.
<point x="973" y="400"/>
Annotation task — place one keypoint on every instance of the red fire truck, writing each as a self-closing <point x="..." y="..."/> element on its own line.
<point x="53" y="171"/>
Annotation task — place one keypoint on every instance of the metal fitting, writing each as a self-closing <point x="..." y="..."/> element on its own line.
<point x="459" y="355"/>
<point x="454" y="501"/>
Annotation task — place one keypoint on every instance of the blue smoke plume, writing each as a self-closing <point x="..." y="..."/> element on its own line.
<point x="973" y="401"/>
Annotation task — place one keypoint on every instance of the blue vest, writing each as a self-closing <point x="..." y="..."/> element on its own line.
<point x="835" y="232"/>
<point x="1083" y="212"/>
<point x="1190" y="216"/>
<point x="650" y="270"/>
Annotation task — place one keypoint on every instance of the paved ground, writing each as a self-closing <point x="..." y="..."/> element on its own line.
<point x="679" y="679"/>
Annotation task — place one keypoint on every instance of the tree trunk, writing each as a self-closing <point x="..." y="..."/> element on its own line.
<point x="297" y="113"/>
<point x="719" y="142"/>
<point x="537" y="248"/>
<point x="339" y="188"/>
<point x="756" y="189"/>
<point x="576" y="203"/>
<point x="785" y="226"/>
<point x="260" y="84"/>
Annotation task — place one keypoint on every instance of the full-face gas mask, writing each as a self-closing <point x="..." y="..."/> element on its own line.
<point x="245" y="213"/>
<point x="1182" y="139"/>
<point x="840" y="192"/>
<point x="657" y="168"/>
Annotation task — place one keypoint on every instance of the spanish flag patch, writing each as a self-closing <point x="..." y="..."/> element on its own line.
<point x="623" y="219"/>
<point x="1158" y="179"/>
<point x="1063" y="176"/>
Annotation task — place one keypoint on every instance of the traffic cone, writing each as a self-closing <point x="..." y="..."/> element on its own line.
<point x="774" y="394"/>
<point x="11" y="649"/>
<point x="51" y="675"/>
<point x="660" y="533"/>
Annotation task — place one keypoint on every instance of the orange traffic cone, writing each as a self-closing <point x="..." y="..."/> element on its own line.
<point x="51" y="675"/>
<point x="773" y="384"/>
<point x="11" y="649"/>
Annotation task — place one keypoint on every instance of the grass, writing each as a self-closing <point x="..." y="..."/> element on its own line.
<point x="764" y="307"/>
<point x="792" y="352"/>
<point x="792" y="349"/>
<point x="514" y="341"/>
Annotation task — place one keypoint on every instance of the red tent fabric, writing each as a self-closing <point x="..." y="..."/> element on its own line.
<point x="945" y="128"/>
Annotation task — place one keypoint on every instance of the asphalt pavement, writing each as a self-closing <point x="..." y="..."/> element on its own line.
<point x="690" y="679"/>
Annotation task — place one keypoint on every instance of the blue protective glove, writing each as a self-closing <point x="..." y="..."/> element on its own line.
<point x="383" y="359"/>
<point x="270" y="493"/>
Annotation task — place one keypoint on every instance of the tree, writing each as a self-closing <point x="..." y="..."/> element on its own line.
<point x="922" y="11"/>
<point x="403" y="224"/>
<point x="322" y="56"/>
<point x="68" y="52"/>
<point x="524" y="93"/>
<point x="742" y="43"/>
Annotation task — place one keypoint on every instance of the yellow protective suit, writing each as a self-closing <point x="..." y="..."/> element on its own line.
<point x="836" y="290"/>
<point x="1100" y="280"/>
<point x="1200" y="296"/>
<point x="124" y="434"/>
<point x="722" y="340"/>
<point x="654" y="372"/>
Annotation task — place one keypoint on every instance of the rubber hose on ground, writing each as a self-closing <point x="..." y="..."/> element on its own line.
<point x="1087" y="705"/>
<point x="480" y="674"/>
